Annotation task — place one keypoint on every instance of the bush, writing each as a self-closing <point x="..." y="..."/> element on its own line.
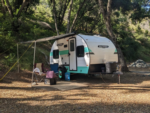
<point x="146" y="32"/>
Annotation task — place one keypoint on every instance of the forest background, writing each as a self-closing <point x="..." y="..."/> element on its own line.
<point x="23" y="20"/>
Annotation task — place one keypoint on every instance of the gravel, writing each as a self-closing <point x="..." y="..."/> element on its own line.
<point x="131" y="96"/>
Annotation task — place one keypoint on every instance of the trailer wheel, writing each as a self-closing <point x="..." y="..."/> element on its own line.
<point x="62" y="71"/>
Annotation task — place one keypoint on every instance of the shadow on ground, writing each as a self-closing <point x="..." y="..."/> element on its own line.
<point x="26" y="99"/>
<point x="40" y="105"/>
<point x="26" y="78"/>
<point x="109" y="79"/>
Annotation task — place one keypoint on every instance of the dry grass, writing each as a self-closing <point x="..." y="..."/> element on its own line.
<point x="132" y="95"/>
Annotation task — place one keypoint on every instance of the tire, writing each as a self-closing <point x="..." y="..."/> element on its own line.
<point x="63" y="71"/>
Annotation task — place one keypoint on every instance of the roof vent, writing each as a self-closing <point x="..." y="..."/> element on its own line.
<point x="97" y="35"/>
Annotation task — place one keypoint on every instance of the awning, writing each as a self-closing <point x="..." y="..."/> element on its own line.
<point x="50" y="38"/>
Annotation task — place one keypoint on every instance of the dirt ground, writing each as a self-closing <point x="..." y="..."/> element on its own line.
<point x="101" y="95"/>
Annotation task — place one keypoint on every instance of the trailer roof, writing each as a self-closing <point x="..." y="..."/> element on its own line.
<point x="50" y="38"/>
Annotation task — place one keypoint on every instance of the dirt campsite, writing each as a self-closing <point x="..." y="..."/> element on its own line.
<point x="74" y="56"/>
<point x="101" y="95"/>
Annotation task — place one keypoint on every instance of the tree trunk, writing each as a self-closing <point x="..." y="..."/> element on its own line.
<point x="122" y="59"/>
<point x="54" y="13"/>
<point x="24" y="4"/>
<point x="68" y="20"/>
<point x="107" y="20"/>
<point x="63" y="13"/>
<point x="9" y="8"/>
<point x="96" y="21"/>
<point x="75" y="18"/>
<point x="60" y="12"/>
<point x="85" y="27"/>
<point x="4" y="7"/>
<point x="120" y="54"/>
<point x="84" y="11"/>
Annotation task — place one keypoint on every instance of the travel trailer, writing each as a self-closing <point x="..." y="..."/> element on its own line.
<point x="83" y="54"/>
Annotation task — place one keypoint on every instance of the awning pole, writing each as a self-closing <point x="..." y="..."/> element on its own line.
<point x="33" y="61"/>
<point x="18" y="57"/>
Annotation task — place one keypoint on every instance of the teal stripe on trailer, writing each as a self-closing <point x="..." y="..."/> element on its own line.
<point x="83" y="70"/>
<point x="63" y="52"/>
<point x="60" y="52"/>
<point x="51" y="53"/>
<point x="86" y="50"/>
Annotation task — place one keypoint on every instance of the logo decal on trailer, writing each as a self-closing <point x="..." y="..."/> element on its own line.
<point x="60" y="44"/>
<point x="103" y="46"/>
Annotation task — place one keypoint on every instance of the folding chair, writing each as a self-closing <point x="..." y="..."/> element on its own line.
<point x="39" y="71"/>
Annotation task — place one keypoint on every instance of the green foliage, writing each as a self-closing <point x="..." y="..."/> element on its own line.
<point x="134" y="45"/>
<point x="139" y="30"/>
<point x="26" y="27"/>
<point x="9" y="59"/>
<point x="139" y="10"/>
<point x="17" y="3"/>
<point x="122" y="5"/>
<point x="146" y="32"/>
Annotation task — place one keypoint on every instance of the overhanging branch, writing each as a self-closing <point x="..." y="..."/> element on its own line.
<point x="24" y="4"/>
<point x="109" y="7"/>
<point x="9" y="8"/>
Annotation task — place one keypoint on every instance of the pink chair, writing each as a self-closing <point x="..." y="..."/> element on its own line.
<point x="52" y="76"/>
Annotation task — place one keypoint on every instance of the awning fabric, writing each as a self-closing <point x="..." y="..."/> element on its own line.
<point x="50" y="38"/>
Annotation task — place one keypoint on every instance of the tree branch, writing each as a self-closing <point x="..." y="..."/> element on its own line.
<point x="24" y="4"/>
<point x="102" y="8"/>
<point x="9" y="8"/>
<point x="69" y="13"/>
<point x="109" y="11"/>
<point x="84" y="11"/>
<point x="42" y="24"/>
<point x="63" y="13"/>
<point x="54" y="13"/>
<point x="74" y="21"/>
<point x="4" y="6"/>
<point x="60" y="11"/>
<point x="96" y="21"/>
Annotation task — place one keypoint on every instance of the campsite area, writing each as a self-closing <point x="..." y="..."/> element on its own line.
<point x="100" y="95"/>
<point x="74" y="56"/>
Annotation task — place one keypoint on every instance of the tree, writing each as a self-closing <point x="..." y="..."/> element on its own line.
<point x="63" y="4"/>
<point x="15" y="10"/>
<point x="84" y="16"/>
<point x="76" y="16"/>
<point x="54" y="13"/>
<point x="107" y="19"/>
<point x="68" y="19"/>
<point x="140" y="10"/>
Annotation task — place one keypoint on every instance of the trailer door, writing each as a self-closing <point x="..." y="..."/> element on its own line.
<point x="72" y="55"/>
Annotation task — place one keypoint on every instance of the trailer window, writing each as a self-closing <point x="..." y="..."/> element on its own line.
<point x="71" y="45"/>
<point x="55" y="54"/>
<point x="80" y="51"/>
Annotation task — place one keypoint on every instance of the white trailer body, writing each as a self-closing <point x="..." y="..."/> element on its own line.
<point x="84" y="54"/>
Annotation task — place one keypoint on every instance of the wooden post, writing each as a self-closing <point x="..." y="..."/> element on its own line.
<point x="33" y="61"/>
<point x="120" y="69"/>
<point x="118" y="78"/>
<point x="18" y="57"/>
